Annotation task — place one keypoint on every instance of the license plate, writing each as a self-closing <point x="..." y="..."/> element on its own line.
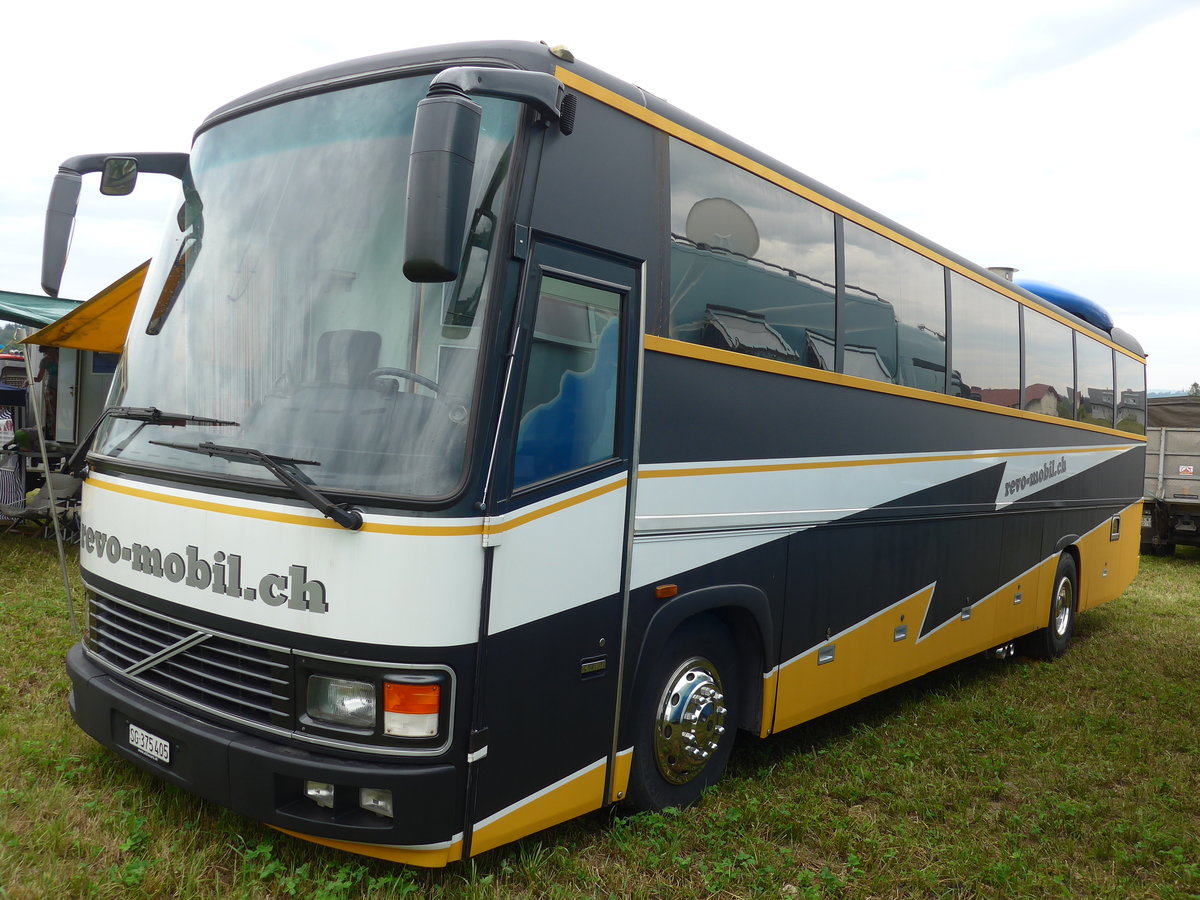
<point x="150" y="745"/>
<point x="1147" y="522"/>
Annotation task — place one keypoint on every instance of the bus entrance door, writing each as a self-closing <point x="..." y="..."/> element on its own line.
<point x="550" y="668"/>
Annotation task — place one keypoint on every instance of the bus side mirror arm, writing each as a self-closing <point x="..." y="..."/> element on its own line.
<point x="120" y="176"/>
<point x="442" y="159"/>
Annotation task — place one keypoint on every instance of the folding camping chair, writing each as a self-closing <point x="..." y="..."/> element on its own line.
<point x="36" y="510"/>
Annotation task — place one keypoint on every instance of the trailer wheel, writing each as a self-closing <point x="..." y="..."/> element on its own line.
<point x="686" y="709"/>
<point x="1051" y="642"/>
<point x="1164" y="549"/>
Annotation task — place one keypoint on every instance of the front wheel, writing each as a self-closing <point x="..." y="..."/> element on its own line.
<point x="1052" y="641"/>
<point x="686" y="707"/>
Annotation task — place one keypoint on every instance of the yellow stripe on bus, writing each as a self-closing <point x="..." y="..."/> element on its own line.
<point x="368" y="527"/>
<point x="508" y="525"/>
<point x="861" y="462"/>
<point x="432" y="858"/>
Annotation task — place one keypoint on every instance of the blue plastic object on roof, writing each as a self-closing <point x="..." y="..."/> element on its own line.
<point x="1086" y="309"/>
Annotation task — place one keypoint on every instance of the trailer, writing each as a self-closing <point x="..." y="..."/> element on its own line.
<point x="1171" y="506"/>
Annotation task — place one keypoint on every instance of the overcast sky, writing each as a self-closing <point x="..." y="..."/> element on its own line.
<point x="1058" y="136"/>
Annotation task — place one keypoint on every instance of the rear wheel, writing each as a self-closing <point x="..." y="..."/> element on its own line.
<point x="1052" y="641"/>
<point x="686" y="707"/>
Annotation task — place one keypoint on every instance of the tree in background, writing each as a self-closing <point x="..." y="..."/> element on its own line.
<point x="1194" y="390"/>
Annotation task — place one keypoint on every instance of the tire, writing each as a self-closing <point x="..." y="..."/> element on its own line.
<point x="1164" y="550"/>
<point x="696" y="674"/>
<point x="1052" y="641"/>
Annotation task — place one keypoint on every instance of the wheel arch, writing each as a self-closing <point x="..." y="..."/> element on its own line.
<point x="744" y="612"/>
<point x="1068" y="542"/>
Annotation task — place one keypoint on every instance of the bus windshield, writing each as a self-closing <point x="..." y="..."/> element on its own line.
<point x="277" y="302"/>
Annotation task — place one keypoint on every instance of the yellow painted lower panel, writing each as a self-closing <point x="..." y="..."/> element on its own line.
<point x="1108" y="566"/>
<point x="770" y="693"/>
<point x="414" y="856"/>
<point x="872" y="657"/>
<point x="885" y="650"/>
<point x="576" y="795"/>
<point x="621" y="767"/>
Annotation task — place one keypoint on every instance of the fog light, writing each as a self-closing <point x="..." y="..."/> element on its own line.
<point x="376" y="800"/>
<point x="341" y="701"/>
<point x="410" y="709"/>
<point x="319" y="793"/>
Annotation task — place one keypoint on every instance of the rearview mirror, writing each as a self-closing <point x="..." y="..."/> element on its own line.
<point x="440" y="168"/>
<point x="442" y="159"/>
<point x="119" y="176"/>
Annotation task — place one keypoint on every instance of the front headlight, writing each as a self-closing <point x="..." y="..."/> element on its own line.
<point x="341" y="701"/>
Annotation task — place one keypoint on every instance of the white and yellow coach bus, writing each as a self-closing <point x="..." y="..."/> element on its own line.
<point x="493" y="442"/>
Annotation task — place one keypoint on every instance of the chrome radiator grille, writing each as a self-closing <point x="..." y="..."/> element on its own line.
<point x="215" y="672"/>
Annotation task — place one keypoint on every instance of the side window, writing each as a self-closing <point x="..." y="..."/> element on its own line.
<point x="752" y="265"/>
<point x="569" y="404"/>
<point x="1095" y="364"/>
<point x="895" y="312"/>
<point x="1131" y="395"/>
<point x="986" y="341"/>
<point x="1049" y="367"/>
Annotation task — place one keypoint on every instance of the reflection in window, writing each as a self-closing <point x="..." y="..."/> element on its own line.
<point x="1049" y="367"/>
<point x="1131" y="395"/>
<point x="1094" y="362"/>
<point x="568" y="411"/>
<point x="752" y="265"/>
<point x="986" y="334"/>
<point x="895" y="312"/>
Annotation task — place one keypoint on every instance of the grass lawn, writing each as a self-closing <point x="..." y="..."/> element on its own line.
<point x="1078" y="778"/>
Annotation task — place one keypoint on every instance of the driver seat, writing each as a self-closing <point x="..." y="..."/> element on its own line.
<point x="347" y="357"/>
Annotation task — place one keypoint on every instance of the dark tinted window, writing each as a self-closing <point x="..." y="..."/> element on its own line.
<point x="752" y="265"/>
<point x="1049" y="366"/>
<point x="986" y="337"/>
<point x="1094" y="363"/>
<point x="895" y="312"/>
<point x="1131" y="395"/>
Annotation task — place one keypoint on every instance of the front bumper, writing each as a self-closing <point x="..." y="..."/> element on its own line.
<point x="264" y="779"/>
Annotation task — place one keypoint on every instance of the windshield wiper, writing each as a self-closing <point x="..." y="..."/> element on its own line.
<point x="283" y="468"/>
<point x="147" y="415"/>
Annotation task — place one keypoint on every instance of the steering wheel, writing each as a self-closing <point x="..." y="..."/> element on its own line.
<point x="391" y="371"/>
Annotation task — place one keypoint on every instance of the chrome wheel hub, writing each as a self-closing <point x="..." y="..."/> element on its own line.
<point x="1064" y="603"/>
<point x="690" y="720"/>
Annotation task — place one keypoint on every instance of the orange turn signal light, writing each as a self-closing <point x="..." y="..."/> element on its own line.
<point x="412" y="699"/>
<point x="666" y="591"/>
